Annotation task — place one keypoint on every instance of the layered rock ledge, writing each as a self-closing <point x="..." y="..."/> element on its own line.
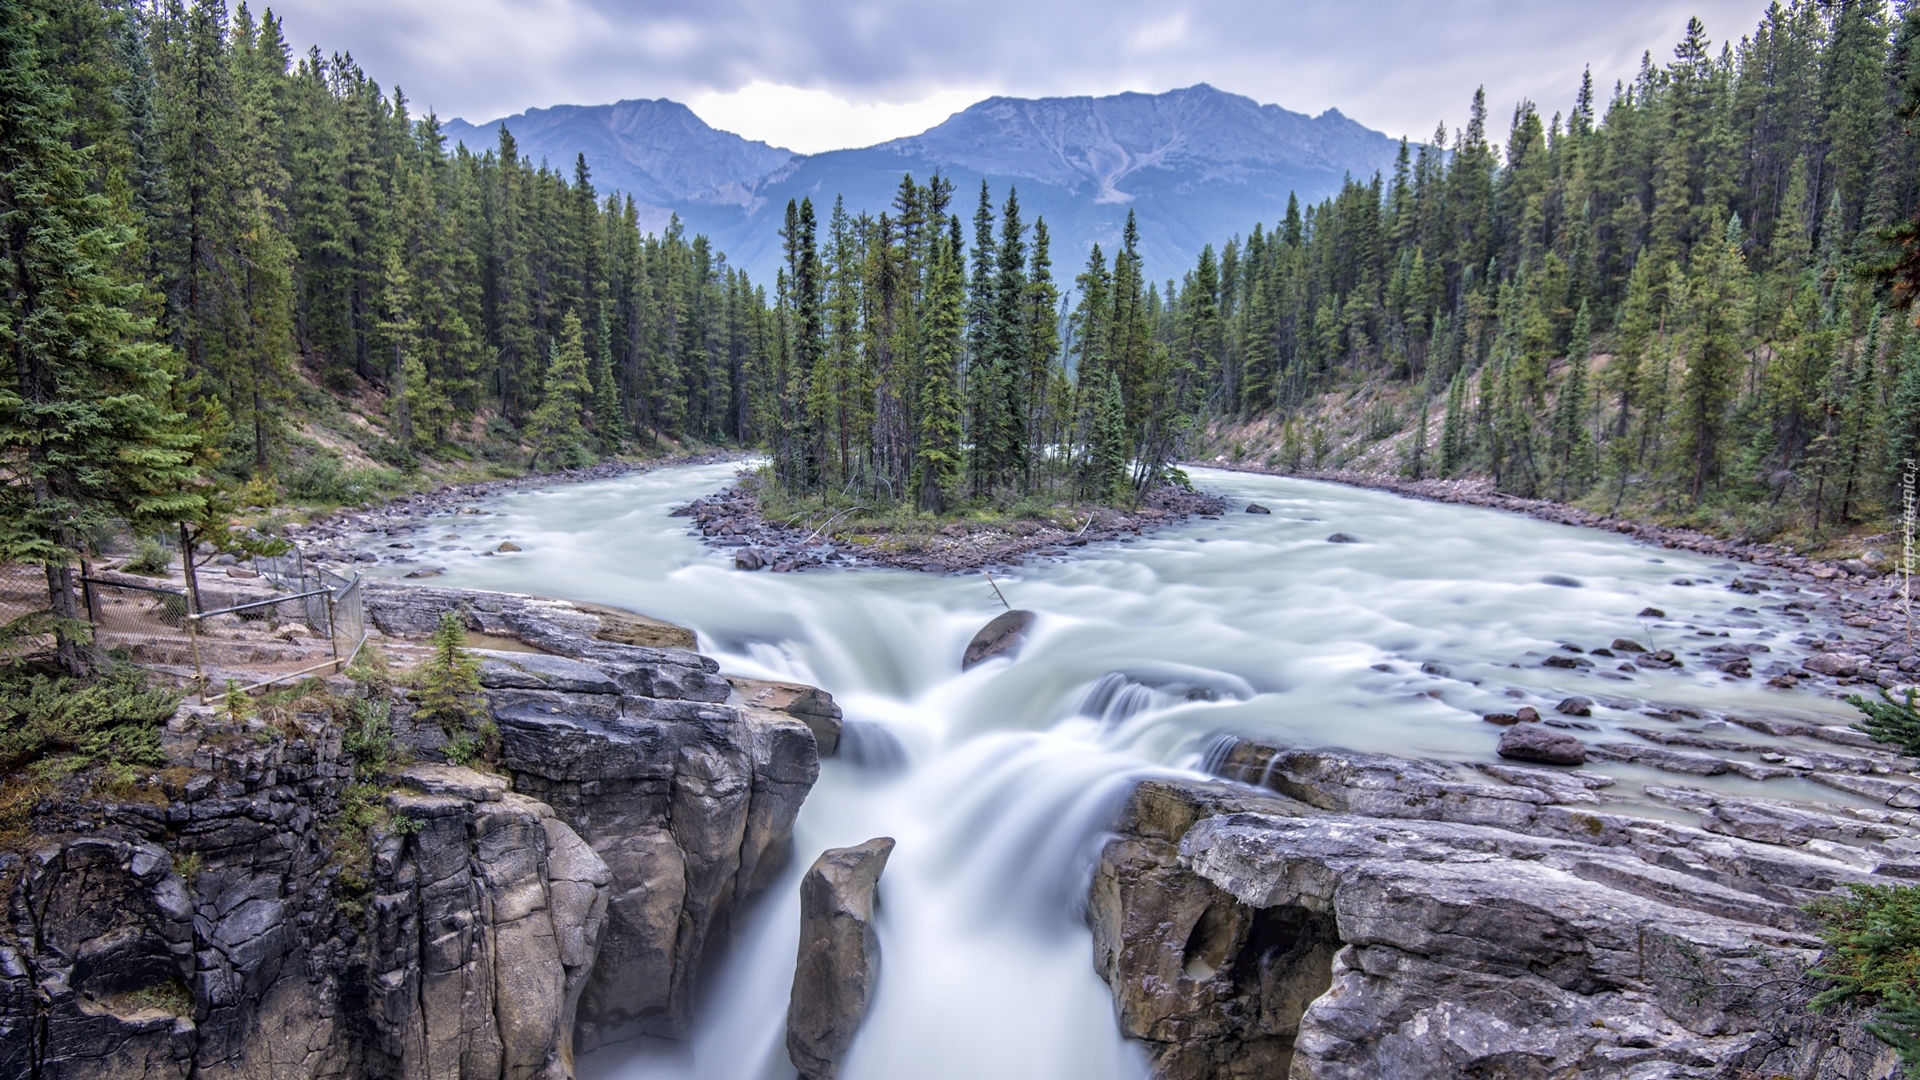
<point x="1328" y="914"/>
<point x="263" y="909"/>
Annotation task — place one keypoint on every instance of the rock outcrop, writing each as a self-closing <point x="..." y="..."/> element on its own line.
<point x="588" y="632"/>
<point x="809" y="705"/>
<point x="264" y="908"/>
<point x="839" y="962"/>
<point x="485" y="921"/>
<point x="1327" y="914"/>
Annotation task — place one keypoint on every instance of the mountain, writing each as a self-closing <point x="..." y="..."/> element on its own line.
<point x="657" y="151"/>
<point x="1197" y="165"/>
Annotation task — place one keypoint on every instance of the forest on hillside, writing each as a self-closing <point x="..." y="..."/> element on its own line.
<point x="238" y="275"/>
<point x="1692" y="297"/>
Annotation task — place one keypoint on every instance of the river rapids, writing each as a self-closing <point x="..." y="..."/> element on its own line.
<point x="999" y="783"/>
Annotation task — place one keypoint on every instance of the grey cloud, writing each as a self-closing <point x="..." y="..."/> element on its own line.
<point x="1399" y="66"/>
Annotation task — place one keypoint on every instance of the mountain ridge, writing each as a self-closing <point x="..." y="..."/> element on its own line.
<point x="1196" y="164"/>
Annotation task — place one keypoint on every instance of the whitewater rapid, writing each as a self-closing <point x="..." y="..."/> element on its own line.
<point x="999" y="783"/>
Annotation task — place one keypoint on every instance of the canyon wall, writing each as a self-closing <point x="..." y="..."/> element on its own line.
<point x="259" y="912"/>
<point x="1327" y="914"/>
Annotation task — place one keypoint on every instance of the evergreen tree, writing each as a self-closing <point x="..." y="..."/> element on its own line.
<point x="86" y="420"/>
<point x="558" y="432"/>
<point x="937" y="461"/>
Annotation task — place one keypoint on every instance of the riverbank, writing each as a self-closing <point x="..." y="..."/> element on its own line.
<point x="733" y="519"/>
<point x="1865" y="595"/>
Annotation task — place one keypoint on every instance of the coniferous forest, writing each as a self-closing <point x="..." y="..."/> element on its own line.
<point x="1691" y="294"/>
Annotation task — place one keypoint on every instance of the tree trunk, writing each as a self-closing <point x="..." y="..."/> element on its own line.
<point x="67" y="647"/>
<point x="187" y="569"/>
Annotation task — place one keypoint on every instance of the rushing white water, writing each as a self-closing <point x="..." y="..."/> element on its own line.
<point x="999" y="783"/>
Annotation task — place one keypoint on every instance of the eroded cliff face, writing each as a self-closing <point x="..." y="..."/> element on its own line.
<point x="486" y="926"/>
<point x="1351" y="916"/>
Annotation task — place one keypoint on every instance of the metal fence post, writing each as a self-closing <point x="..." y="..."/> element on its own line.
<point x="333" y="633"/>
<point x="193" y="636"/>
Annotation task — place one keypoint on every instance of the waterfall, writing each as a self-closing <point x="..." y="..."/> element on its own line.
<point x="1001" y="783"/>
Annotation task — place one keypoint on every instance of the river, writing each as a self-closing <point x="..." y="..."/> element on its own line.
<point x="998" y="783"/>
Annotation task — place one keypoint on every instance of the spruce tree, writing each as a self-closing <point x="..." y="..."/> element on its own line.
<point x="558" y="435"/>
<point x="1572" y="444"/>
<point x="938" y="458"/>
<point x="1719" y="298"/>
<point x="448" y="680"/>
<point x="86" y="418"/>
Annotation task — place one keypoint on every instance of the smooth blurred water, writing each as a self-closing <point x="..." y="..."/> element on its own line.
<point x="1000" y="782"/>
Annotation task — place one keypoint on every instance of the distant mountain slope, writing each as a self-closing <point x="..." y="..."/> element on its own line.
<point x="657" y="151"/>
<point x="1197" y="165"/>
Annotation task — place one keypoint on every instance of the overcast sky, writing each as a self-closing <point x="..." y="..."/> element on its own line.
<point x="816" y="75"/>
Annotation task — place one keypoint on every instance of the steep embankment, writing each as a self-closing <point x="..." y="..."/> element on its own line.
<point x="270" y="912"/>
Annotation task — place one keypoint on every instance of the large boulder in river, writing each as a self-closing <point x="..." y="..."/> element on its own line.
<point x="1537" y="742"/>
<point x="1001" y="637"/>
<point x="839" y="961"/>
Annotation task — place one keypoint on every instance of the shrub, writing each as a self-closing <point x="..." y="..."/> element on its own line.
<point x="58" y="726"/>
<point x="323" y="479"/>
<point x="1890" y="720"/>
<point x="1873" y="957"/>
<point x="151" y="558"/>
<point x="369" y="738"/>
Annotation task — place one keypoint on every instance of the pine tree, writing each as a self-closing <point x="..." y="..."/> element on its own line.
<point x="86" y="419"/>
<point x="938" y="459"/>
<point x="557" y="431"/>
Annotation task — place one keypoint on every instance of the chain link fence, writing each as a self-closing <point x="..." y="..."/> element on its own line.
<point x="23" y="593"/>
<point x="265" y="620"/>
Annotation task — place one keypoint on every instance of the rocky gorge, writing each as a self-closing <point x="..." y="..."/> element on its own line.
<point x="1322" y="914"/>
<point x="236" y="921"/>
<point x="1262" y="904"/>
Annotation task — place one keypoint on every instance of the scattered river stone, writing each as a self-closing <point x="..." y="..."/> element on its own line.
<point x="1575" y="706"/>
<point x="1341" y="538"/>
<point x="1534" y="742"/>
<point x="1838" y="664"/>
<point x="1561" y="580"/>
<point x="1256" y="508"/>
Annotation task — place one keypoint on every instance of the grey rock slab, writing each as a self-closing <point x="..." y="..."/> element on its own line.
<point x="1660" y="757"/>
<point x="537" y="671"/>
<point x="1903" y="794"/>
<point x="432" y="779"/>
<point x="1375" y="784"/>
